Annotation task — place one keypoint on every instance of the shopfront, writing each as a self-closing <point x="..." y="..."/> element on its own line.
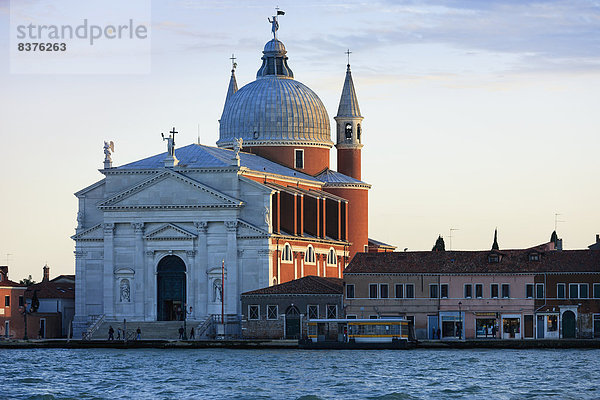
<point x="452" y="325"/>
<point x="486" y="325"/>
<point x="511" y="326"/>
<point x="547" y="326"/>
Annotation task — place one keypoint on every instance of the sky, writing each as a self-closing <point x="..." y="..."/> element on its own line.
<point x="478" y="115"/>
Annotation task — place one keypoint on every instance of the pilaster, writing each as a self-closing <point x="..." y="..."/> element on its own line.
<point x="201" y="262"/>
<point x="138" y="267"/>
<point x="108" y="275"/>
<point x="233" y="269"/>
<point x="150" y="287"/>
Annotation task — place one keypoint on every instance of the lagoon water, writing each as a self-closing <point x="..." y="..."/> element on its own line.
<point x="299" y="374"/>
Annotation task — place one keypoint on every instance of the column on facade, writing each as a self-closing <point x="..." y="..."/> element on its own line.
<point x="80" y="278"/>
<point x="233" y="267"/>
<point x="191" y="282"/>
<point x="150" y="290"/>
<point x="139" y="270"/>
<point x="324" y="218"/>
<point x="108" y="275"/>
<point x="339" y="218"/>
<point x="201" y="263"/>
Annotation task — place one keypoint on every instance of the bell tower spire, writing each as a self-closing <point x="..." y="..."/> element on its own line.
<point x="349" y="129"/>
<point x="232" y="88"/>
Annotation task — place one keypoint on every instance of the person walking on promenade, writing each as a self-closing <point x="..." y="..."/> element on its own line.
<point x="118" y="333"/>
<point x="111" y="333"/>
<point x="192" y="334"/>
<point x="139" y="334"/>
<point x="181" y="333"/>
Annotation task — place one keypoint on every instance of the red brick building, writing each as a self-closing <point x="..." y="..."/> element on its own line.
<point x="11" y="303"/>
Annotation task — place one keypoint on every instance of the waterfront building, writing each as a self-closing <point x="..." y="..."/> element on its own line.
<point x="282" y="311"/>
<point x="539" y="292"/>
<point x="12" y="298"/>
<point x="156" y="237"/>
<point x="56" y="307"/>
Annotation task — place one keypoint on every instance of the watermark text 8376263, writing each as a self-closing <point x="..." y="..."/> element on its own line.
<point x="34" y="46"/>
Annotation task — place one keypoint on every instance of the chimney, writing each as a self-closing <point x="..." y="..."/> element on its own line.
<point x="597" y="238"/>
<point x="46" y="273"/>
<point x="3" y="272"/>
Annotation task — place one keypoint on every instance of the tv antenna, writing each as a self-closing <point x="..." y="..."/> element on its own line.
<point x="450" y="237"/>
<point x="556" y="221"/>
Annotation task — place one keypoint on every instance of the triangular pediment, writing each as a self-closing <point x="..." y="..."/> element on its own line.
<point x="170" y="232"/>
<point x="95" y="233"/>
<point x="169" y="190"/>
<point x="246" y="229"/>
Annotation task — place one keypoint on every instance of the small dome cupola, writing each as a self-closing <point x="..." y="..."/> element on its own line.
<point x="274" y="61"/>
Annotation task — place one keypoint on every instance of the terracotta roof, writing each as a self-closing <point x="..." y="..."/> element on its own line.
<point x="9" y="283"/>
<point x="377" y="243"/>
<point x="60" y="287"/>
<point x="307" y="285"/>
<point x="457" y="262"/>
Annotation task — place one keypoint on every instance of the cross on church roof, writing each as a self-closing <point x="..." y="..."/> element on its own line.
<point x="348" y="52"/>
<point x="233" y="63"/>
<point x="173" y="132"/>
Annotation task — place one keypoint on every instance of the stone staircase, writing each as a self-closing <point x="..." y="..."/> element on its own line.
<point x="161" y="330"/>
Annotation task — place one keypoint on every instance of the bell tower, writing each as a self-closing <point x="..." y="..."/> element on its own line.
<point x="349" y="130"/>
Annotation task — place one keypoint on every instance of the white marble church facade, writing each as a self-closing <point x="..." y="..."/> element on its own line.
<point x="134" y="218"/>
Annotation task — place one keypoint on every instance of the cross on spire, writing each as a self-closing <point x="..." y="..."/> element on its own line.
<point x="233" y="63"/>
<point x="173" y="132"/>
<point x="348" y="52"/>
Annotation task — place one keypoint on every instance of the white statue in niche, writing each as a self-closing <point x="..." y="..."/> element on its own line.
<point x="217" y="291"/>
<point x="267" y="215"/>
<point x="125" y="291"/>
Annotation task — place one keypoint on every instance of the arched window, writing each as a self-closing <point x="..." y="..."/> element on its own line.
<point x="358" y="132"/>
<point x="331" y="257"/>
<point x="309" y="256"/>
<point x="286" y="253"/>
<point x="348" y="131"/>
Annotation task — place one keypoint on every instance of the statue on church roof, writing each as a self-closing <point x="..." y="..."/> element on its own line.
<point x="274" y="23"/>
<point x="109" y="148"/>
<point x="237" y="146"/>
<point x="170" y="142"/>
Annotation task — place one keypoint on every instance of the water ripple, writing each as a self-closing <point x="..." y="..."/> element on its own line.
<point x="60" y="374"/>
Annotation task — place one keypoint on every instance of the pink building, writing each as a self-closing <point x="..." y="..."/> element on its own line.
<point x="485" y="305"/>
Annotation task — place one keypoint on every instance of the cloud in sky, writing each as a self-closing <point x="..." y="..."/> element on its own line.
<point x="543" y="35"/>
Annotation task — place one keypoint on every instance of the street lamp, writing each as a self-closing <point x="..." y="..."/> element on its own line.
<point x="459" y="320"/>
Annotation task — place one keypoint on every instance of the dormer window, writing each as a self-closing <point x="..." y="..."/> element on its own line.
<point x="534" y="257"/>
<point x="493" y="258"/>
<point x="348" y="131"/>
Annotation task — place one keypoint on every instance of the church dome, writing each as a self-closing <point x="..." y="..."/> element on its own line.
<point x="275" y="109"/>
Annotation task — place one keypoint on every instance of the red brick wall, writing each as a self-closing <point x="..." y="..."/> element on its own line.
<point x="349" y="162"/>
<point x="358" y="216"/>
<point x="289" y="271"/>
<point x="316" y="159"/>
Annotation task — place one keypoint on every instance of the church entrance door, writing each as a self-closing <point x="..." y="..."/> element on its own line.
<point x="171" y="288"/>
